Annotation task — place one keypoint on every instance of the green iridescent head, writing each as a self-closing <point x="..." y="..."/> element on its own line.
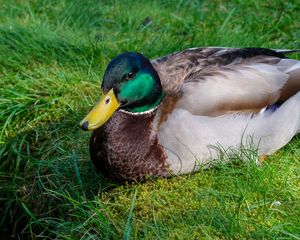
<point x="130" y="83"/>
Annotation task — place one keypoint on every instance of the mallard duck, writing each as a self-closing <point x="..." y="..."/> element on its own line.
<point x="163" y="117"/>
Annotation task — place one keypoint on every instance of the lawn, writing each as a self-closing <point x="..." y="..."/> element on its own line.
<point x="52" y="58"/>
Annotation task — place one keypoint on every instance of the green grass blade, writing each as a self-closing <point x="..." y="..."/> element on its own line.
<point x="128" y="227"/>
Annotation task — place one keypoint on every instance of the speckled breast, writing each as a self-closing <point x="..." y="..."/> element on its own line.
<point x="126" y="148"/>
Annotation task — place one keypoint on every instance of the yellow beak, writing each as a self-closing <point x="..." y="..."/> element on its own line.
<point x="107" y="105"/>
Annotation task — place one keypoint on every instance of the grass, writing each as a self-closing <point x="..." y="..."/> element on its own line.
<point x="52" y="58"/>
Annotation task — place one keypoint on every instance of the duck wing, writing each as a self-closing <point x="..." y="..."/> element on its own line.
<point x="218" y="81"/>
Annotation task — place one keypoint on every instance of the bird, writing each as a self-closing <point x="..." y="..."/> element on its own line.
<point x="167" y="116"/>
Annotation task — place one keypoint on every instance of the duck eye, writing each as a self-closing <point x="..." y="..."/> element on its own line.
<point x="129" y="75"/>
<point x="107" y="100"/>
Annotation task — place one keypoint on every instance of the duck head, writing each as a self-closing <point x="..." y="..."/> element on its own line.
<point x="130" y="83"/>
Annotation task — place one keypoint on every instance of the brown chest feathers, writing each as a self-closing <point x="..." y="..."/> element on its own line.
<point x="126" y="148"/>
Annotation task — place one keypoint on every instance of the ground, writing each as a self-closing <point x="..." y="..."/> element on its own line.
<point x="52" y="58"/>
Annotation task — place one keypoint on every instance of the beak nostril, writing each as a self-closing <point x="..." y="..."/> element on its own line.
<point x="85" y="125"/>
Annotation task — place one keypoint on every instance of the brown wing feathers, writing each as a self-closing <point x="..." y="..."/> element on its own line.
<point x="291" y="87"/>
<point x="203" y="65"/>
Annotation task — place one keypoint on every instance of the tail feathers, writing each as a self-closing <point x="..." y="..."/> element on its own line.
<point x="286" y="51"/>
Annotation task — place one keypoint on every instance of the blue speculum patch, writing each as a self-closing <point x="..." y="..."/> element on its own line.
<point x="273" y="107"/>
